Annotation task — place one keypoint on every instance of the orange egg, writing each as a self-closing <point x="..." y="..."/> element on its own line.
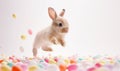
<point x="1" y="61"/>
<point x="16" y="68"/>
<point x="72" y="61"/>
<point x="62" y="67"/>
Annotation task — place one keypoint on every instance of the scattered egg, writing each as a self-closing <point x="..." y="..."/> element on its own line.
<point x="72" y="67"/>
<point x="16" y="68"/>
<point x="14" y="16"/>
<point x="10" y="64"/>
<point x="52" y="67"/>
<point x="62" y="67"/>
<point x="5" y="68"/>
<point x="23" y="37"/>
<point x="33" y="68"/>
<point x="29" y="31"/>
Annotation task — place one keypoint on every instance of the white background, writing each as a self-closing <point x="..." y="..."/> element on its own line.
<point x="94" y="26"/>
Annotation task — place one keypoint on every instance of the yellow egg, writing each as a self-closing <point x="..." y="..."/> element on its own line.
<point x="112" y="62"/>
<point x="14" y="16"/>
<point x="67" y="61"/>
<point x="4" y="63"/>
<point x="102" y="62"/>
<point x="33" y="68"/>
<point x="52" y="61"/>
<point x="23" y="37"/>
<point x="5" y="68"/>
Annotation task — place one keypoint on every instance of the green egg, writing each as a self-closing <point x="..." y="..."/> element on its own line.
<point x="10" y="64"/>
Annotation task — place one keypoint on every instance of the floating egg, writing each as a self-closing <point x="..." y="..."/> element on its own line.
<point x="14" y="16"/>
<point x="23" y="37"/>
<point x="29" y="31"/>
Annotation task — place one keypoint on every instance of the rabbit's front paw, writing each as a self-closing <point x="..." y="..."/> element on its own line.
<point x="62" y="42"/>
<point x="53" y="39"/>
<point x="47" y="49"/>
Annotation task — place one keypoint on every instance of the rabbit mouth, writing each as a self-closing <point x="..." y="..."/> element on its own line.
<point x="64" y="30"/>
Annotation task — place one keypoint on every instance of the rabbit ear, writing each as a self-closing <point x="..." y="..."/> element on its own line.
<point x="52" y="13"/>
<point x="62" y="13"/>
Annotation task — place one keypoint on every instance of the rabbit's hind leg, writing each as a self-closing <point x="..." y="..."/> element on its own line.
<point x="34" y="52"/>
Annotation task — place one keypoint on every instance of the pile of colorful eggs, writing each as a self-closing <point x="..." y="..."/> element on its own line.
<point x="59" y="63"/>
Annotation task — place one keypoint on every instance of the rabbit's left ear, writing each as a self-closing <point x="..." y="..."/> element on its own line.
<point x="52" y="13"/>
<point x="62" y="13"/>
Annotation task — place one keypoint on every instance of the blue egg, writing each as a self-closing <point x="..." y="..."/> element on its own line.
<point x="10" y="64"/>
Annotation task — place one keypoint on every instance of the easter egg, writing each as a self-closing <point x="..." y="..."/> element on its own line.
<point x="98" y="65"/>
<point x="1" y="61"/>
<point x="52" y="67"/>
<point x="72" y="67"/>
<point x="29" y="31"/>
<point x="67" y="61"/>
<point x="4" y="63"/>
<point x="10" y="64"/>
<point x="56" y="59"/>
<point x="14" y="16"/>
<point x="102" y="69"/>
<point x="24" y="67"/>
<point x="5" y="68"/>
<point x="91" y="69"/>
<point x="52" y="61"/>
<point x="72" y="61"/>
<point x="46" y="60"/>
<point x="23" y="37"/>
<point x="33" y="68"/>
<point x="16" y="68"/>
<point x="62" y="67"/>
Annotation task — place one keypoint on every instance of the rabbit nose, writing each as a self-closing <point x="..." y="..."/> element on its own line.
<point x="65" y="30"/>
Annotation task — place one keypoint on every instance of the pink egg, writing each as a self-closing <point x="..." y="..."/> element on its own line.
<point x="98" y="65"/>
<point x="72" y="67"/>
<point x="56" y="59"/>
<point x="91" y="69"/>
<point x="46" y="60"/>
<point x="24" y="67"/>
<point x="30" y="32"/>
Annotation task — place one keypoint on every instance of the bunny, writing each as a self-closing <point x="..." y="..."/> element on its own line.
<point x="53" y="34"/>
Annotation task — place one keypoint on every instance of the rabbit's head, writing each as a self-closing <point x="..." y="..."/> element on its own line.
<point x="59" y="24"/>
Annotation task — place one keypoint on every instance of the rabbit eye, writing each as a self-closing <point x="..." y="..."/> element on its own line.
<point x="60" y="24"/>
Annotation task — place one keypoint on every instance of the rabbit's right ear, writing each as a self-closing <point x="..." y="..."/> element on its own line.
<point x="52" y="13"/>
